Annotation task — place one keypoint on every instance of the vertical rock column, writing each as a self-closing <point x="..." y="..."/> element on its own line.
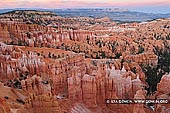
<point x="89" y="90"/>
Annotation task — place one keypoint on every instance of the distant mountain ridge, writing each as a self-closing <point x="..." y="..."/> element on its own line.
<point x="32" y="12"/>
<point x="115" y="14"/>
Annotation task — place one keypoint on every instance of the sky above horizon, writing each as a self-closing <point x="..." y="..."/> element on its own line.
<point x="153" y="6"/>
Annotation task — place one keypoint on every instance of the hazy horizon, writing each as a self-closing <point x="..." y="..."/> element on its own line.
<point x="152" y="6"/>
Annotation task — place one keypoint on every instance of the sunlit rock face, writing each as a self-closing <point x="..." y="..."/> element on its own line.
<point x="4" y="107"/>
<point x="139" y="108"/>
<point x="163" y="93"/>
<point x="42" y="104"/>
<point x="35" y="85"/>
<point x="89" y="90"/>
<point x="163" y="86"/>
<point x="93" y="89"/>
<point x="144" y="58"/>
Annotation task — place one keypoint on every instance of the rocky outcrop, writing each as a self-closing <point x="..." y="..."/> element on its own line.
<point x="163" y="86"/>
<point x="42" y="104"/>
<point x="89" y="90"/>
<point x="139" y="108"/>
<point x="144" y="58"/>
<point x="93" y="89"/>
<point x="4" y="106"/>
<point x="35" y="85"/>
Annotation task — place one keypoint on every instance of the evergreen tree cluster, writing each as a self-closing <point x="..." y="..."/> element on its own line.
<point x="154" y="74"/>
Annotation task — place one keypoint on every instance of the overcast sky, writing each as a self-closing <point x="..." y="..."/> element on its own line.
<point x="155" y="6"/>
